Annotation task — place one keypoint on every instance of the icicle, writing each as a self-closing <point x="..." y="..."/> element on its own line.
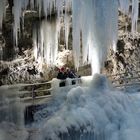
<point x="76" y="31"/>
<point x="47" y="41"/>
<point x="35" y="43"/>
<point x="2" y="11"/>
<point x="51" y="4"/>
<point x="46" y="7"/>
<point x="124" y="6"/>
<point x="67" y="5"/>
<point x="17" y="10"/>
<point x="134" y="17"/>
<point x="32" y="4"/>
<point x="24" y="6"/>
<point x="59" y="7"/>
<point x="67" y="19"/>
<point x="19" y="6"/>
<point x="39" y="5"/>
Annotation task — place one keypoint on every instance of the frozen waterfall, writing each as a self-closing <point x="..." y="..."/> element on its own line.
<point x="94" y="25"/>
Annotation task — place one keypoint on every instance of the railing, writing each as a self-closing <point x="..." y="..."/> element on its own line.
<point x="126" y="79"/>
<point x="38" y="91"/>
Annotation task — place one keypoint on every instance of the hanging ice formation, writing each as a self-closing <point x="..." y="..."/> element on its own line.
<point x="18" y="9"/>
<point x="46" y="41"/>
<point x="2" y="11"/>
<point x="99" y="30"/>
<point x="135" y="7"/>
<point x="94" y="22"/>
<point x="124" y="7"/>
<point x="46" y="38"/>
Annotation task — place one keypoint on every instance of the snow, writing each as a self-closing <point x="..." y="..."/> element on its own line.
<point x="92" y="110"/>
<point x="95" y="110"/>
<point x="12" y="132"/>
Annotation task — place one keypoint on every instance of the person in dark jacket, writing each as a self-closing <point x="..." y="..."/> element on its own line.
<point x="62" y="76"/>
<point x="71" y="74"/>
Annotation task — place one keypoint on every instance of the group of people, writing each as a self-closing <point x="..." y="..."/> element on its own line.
<point x="66" y="73"/>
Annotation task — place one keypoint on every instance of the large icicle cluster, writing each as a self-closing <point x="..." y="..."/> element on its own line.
<point x="46" y="41"/>
<point x="97" y="21"/>
<point x="44" y="6"/>
<point x="47" y="36"/>
<point x="94" y="22"/>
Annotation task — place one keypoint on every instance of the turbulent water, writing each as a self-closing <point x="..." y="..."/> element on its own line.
<point x="93" y="111"/>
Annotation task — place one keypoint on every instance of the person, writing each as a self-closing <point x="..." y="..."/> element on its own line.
<point x="71" y="74"/>
<point x="62" y="76"/>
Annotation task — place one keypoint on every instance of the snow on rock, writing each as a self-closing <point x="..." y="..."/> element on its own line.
<point x="64" y="57"/>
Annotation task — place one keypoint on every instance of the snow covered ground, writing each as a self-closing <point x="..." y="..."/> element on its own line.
<point x="93" y="111"/>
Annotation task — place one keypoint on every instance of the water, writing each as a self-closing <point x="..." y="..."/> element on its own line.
<point x="93" y="111"/>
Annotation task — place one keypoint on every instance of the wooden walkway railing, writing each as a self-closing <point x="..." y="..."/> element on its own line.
<point x="38" y="91"/>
